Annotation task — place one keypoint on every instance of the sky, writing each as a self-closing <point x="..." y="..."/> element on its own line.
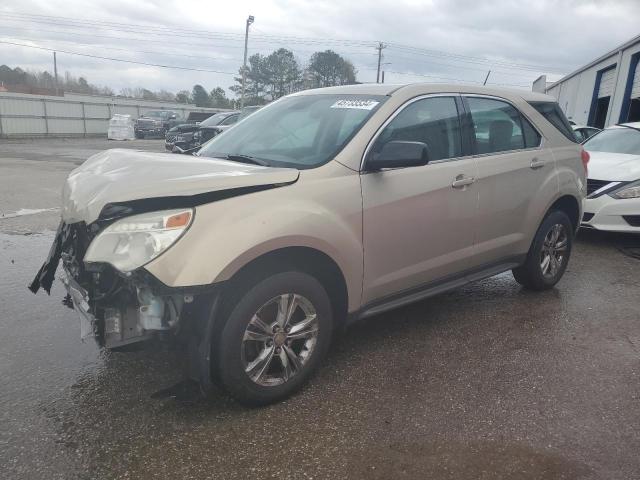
<point x="427" y="40"/>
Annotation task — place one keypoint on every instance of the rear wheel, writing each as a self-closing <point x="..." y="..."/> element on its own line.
<point x="274" y="338"/>
<point x="549" y="253"/>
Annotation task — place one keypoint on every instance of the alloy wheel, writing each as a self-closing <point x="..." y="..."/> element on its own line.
<point x="554" y="249"/>
<point x="279" y="339"/>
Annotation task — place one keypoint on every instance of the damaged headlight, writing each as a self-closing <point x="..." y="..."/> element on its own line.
<point x="134" y="241"/>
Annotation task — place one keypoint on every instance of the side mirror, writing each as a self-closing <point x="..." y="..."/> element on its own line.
<point x="399" y="154"/>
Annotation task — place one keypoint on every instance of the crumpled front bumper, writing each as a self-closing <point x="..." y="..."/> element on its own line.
<point x="116" y="309"/>
<point x="138" y="309"/>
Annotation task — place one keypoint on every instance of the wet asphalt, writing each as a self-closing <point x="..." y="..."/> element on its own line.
<point x="489" y="381"/>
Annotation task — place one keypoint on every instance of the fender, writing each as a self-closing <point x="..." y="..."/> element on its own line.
<point x="226" y="235"/>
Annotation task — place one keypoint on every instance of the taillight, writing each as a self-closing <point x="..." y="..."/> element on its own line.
<point x="585" y="160"/>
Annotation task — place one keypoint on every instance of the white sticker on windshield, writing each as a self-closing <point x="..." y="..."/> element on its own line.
<point x="358" y="104"/>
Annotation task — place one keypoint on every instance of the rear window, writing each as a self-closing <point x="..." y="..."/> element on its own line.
<point x="551" y="111"/>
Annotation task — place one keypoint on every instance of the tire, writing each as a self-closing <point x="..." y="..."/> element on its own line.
<point x="250" y="357"/>
<point x="537" y="273"/>
<point x="139" y="135"/>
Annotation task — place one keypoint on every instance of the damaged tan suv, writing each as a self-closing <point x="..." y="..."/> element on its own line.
<point x="325" y="207"/>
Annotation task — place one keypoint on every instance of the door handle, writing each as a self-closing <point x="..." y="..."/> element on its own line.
<point x="536" y="163"/>
<point x="462" y="181"/>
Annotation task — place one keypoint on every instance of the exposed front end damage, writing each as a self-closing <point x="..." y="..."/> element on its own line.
<point x="116" y="309"/>
<point x="121" y="210"/>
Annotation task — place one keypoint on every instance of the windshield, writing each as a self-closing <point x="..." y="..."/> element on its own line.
<point x="302" y="131"/>
<point x="214" y="120"/>
<point x="615" y="140"/>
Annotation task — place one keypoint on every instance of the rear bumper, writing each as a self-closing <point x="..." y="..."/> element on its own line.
<point x="612" y="215"/>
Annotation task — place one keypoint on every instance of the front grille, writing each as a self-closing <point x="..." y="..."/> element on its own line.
<point x="595" y="185"/>
<point x="633" y="220"/>
<point x="171" y="137"/>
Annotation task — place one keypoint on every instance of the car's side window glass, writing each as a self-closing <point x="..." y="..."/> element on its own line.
<point x="532" y="138"/>
<point x="230" y="120"/>
<point x="498" y="126"/>
<point x="433" y="121"/>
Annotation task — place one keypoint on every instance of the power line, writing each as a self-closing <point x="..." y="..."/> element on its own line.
<point x="468" y="59"/>
<point x="104" y="47"/>
<point x="446" y="78"/>
<point x="177" y="31"/>
<point x="118" y="59"/>
<point x="189" y="44"/>
<point x="236" y="37"/>
<point x="392" y="56"/>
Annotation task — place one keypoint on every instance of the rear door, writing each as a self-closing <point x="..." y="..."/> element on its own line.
<point x="418" y="222"/>
<point x="514" y="170"/>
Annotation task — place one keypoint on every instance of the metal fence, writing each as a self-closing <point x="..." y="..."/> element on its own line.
<point x="23" y="115"/>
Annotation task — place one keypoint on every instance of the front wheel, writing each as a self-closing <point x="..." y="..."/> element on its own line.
<point x="549" y="253"/>
<point x="274" y="338"/>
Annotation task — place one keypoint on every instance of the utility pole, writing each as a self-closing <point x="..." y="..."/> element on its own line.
<point x="250" y="20"/>
<point x="380" y="47"/>
<point x="382" y="66"/>
<point x="487" y="77"/>
<point x="55" y="71"/>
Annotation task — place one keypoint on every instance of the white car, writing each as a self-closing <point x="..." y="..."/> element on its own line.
<point x="583" y="132"/>
<point x="613" y="185"/>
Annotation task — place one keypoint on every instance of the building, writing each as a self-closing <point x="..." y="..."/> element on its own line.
<point x="603" y="92"/>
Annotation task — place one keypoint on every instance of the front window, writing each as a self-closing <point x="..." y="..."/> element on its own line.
<point x="213" y="120"/>
<point x="432" y="121"/>
<point x="303" y="131"/>
<point x="230" y="120"/>
<point x="615" y="140"/>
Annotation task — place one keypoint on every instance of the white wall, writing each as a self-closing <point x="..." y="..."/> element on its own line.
<point x="73" y="115"/>
<point x="575" y="93"/>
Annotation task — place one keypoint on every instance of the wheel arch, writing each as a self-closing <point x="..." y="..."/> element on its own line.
<point x="569" y="205"/>
<point x="301" y="258"/>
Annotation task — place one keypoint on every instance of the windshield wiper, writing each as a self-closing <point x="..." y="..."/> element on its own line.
<point x="236" y="157"/>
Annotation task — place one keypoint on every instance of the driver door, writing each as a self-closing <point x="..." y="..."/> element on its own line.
<point x="418" y="222"/>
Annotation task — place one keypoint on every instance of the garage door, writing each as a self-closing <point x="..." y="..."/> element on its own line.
<point x="635" y="88"/>
<point x="606" y="83"/>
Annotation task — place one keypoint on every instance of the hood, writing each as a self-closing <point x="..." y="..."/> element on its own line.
<point x="616" y="167"/>
<point x="120" y="175"/>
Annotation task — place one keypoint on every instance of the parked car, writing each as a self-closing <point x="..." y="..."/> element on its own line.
<point x="182" y="136"/>
<point x="207" y="132"/>
<point x="613" y="187"/>
<point x="156" y="123"/>
<point x="191" y="125"/>
<point x="325" y="207"/>
<point x="582" y="132"/>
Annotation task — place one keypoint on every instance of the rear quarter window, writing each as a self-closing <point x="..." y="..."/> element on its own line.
<point x="554" y="115"/>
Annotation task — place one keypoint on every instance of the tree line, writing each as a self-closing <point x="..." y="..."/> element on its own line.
<point x="268" y="77"/>
<point x="45" y="80"/>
